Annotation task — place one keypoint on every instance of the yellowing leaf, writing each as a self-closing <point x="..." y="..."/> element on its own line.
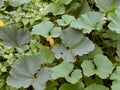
<point x="1" y="23"/>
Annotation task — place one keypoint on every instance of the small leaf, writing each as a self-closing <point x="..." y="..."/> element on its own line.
<point x="115" y="85"/>
<point x="116" y="79"/>
<point x="25" y="21"/>
<point x="114" y="21"/>
<point x="46" y="29"/>
<point x="46" y="55"/>
<point x="77" y="86"/>
<point x="104" y="66"/>
<point x="51" y="85"/>
<point x="62" y="70"/>
<point x="89" y="21"/>
<point x="26" y="72"/>
<point x="74" y="77"/>
<point x="66" y="20"/>
<point x="55" y="9"/>
<point x="66" y="2"/>
<point x="116" y="74"/>
<point x="96" y="87"/>
<point x="88" y="68"/>
<point x="16" y="3"/>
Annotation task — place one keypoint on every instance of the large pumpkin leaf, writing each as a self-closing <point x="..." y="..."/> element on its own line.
<point x="114" y="21"/>
<point x="96" y="87"/>
<point x="74" y="43"/>
<point x="89" y="21"/>
<point x="46" y="29"/>
<point x="16" y="3"/>
<point x="15" y="38"/>
<point x="26" y="72"/>
<point x="105" y="5"/>
<point x="62" y="70"/>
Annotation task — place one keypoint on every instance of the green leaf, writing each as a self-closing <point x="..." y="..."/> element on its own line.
<point x="114" y="21"/>
<point x="104" y="66"/>
<point x="25" y="72"/>
<point x="84" y="7"/>
<point x="66" y="20"/>
<point x="116" y="74"/>
<point x="66" y="2"/>
<point x="77" y="86"/>
<point x="74" y="77"/>
<point x="116" y="79"/>
<point x="46" y="55"/>
<point x="111" y="34"/>
<point x="55" y="9"/>
<point x="96" y="87"/>
<point x="15" y="38"/>
<point x="25" y="21"/>
<point x="16" y="3"/>
<point x="96" y="51"/>
<point x="61" y="51"/>
<point x="42" y="77"/>
<point x="89" y="21"/>
<point x="62" y="70"/>
<point x="106" y="5"/>
<point x="51" y="85"/>
<point x="74" y="43"/>
<point x="115" y="85"/>
<point x="88" y="68"/>
<point x="1" y="3"/>
<point x="46" y="29"/>
<point x="118" y="48"/>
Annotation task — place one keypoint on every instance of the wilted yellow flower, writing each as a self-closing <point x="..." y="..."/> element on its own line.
<point x="105" y="18"/>
<point x="51" y="41"/>
<point x="1" y="23"/>
<point x="41" y="10"/>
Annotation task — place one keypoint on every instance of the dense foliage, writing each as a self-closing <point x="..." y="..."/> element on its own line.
<point x="59" y="44"/>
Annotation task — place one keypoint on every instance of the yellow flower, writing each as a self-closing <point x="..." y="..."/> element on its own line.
<point x="51" y="41"/>
<point x="1" y="23"/>
<point x="105" y="18"/>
